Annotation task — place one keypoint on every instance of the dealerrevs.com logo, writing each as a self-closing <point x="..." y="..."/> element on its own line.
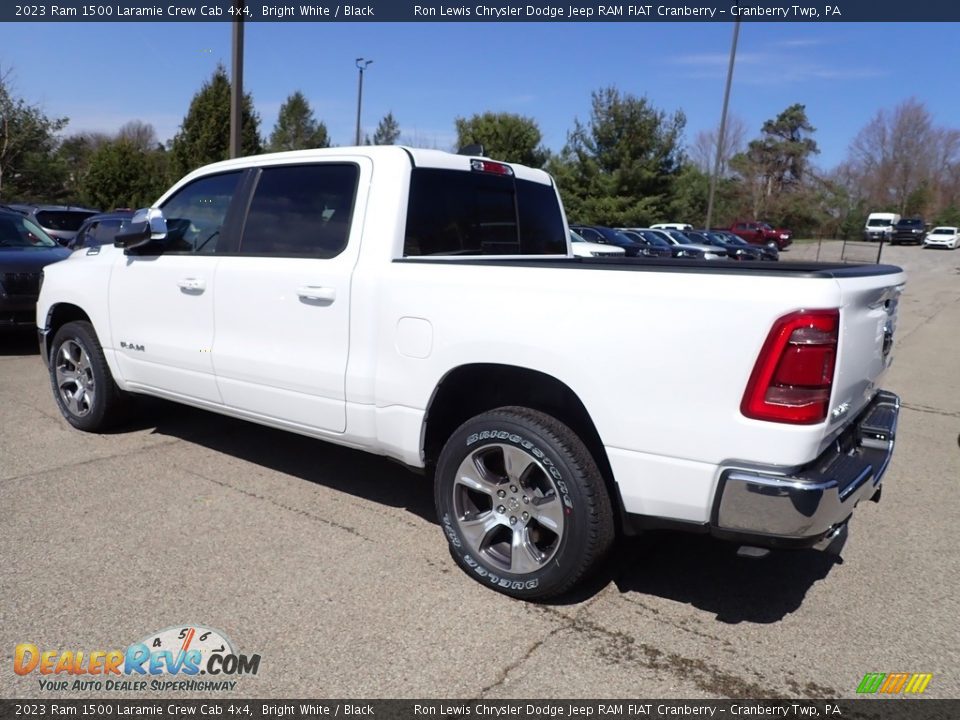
<point x="187" y="657"/>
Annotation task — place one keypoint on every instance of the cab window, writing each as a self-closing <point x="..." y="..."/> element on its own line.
<point x="195" y="214"/>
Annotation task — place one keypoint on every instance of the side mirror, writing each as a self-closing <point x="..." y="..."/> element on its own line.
<point x="146" y="227"/>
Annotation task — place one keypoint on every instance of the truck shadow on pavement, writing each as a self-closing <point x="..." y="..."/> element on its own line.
<point x="708" y="574"/>
<point x="18" y="342"/>
<point x="691" y="569"/>
<point x="349" y="471"/>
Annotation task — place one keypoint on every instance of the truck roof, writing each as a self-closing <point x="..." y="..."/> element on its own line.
<point x="418" y="157"/>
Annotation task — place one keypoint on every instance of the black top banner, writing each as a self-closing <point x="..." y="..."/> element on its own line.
<point x="466" y="11"/>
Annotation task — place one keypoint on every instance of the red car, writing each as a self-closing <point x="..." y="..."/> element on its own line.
<point x="760" y="233"/>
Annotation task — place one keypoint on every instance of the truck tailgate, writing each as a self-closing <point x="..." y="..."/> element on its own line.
<point x="868" y="317"/>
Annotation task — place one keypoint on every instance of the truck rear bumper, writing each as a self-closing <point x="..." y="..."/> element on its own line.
<point x="810" y="507"/>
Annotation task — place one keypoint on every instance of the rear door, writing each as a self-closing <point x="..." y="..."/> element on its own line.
<point x="283" y="302"/>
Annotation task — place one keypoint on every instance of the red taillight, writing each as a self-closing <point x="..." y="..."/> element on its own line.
<point x="488" y="166"/>
<point x="791" y="380"/>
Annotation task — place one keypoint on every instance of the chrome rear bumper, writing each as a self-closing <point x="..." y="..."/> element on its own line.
<point x="810" y="507"/>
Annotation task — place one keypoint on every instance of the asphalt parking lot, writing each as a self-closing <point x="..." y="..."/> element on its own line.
<point x="330" y="565"/>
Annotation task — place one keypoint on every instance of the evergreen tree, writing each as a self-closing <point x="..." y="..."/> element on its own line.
<point x="776" y="172"/>
<point x="204" y="135"/>
<point x="504" y="136"/>
<point x="297" y="128"/>
<point x="388" y="131"/>
<point x="620" y="168"/>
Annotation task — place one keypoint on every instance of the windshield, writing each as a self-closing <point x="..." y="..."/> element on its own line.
<point x="68" y="220"/>
<point x="576" y="237"/>
<point x="680" y="237"/>
<point x="654" y="239"/>
<point x="911" y="222"/>
<point x="17" y="231"/>
<point x="734" y="240"/>
<point x="879" y="223"/>
<point x="944" y="231"/>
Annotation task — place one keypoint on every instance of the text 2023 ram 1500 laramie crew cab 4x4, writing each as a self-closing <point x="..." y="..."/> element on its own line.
<point x="424" y="306"/>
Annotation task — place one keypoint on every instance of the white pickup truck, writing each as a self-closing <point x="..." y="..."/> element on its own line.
<point x="425" y="306"/>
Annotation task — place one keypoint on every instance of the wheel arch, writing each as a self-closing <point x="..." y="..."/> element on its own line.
<point x="59" y="315"/>
<point x="468" y="390"/>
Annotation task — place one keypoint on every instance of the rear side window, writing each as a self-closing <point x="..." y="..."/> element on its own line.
<point x="452" y="212"/>
<point x="301" y="211"/>
<point x="63" y="220"/>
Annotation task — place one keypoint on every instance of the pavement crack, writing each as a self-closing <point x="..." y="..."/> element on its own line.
<point x="504" y="673"/>
<point x="288" y="508"/>
<point x="83" y="463"/>
<point x="930" y="410"/>
<point x="926" y="321"/>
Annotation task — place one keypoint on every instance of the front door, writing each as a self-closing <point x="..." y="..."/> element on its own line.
<point x="162" y="304"/>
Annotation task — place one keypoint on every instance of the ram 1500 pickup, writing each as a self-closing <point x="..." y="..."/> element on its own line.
<point x="425" y="306"/>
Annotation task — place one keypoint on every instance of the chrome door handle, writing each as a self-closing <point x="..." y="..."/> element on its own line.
<point x="193" y="284"/>
<point x="315" y="292"/>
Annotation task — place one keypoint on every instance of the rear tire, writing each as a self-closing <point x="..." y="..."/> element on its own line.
<point x="83" y="386"/>
<point x="522" y="503"/>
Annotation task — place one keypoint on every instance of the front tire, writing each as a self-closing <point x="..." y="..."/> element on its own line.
<point x="522" y="503"/>
<point x="83" y="387"/>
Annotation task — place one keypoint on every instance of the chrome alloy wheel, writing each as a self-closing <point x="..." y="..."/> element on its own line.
<point x="74" y="376"/>
<point x="508" y="508"/>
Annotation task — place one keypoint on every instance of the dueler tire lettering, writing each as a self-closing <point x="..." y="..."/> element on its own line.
<point x="522" y="503"/>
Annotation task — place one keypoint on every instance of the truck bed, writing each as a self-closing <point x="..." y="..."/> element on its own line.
<point x="680" y="265"/>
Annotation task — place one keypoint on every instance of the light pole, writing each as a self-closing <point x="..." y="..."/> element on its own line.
<point x="236" y="84"/>
<point x="361" y="66"/>
<point x="723" y="124"/>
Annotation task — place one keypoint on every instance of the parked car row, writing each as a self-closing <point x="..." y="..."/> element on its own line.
<point x="667" y="241"/>
<point x="71" y="226"/>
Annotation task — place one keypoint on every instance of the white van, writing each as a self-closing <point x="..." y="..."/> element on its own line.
<point x="672" y="226"/>
<point x="880" y="226"/>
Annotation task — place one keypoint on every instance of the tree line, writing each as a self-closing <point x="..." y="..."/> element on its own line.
<point x="624" y="165"/>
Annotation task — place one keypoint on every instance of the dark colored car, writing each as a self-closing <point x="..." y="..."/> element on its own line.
<point x="767" y="252"/>
<point x="609" y="236"/>
<point x="686" y="247"/>
<point x="25" y="249"/>
<point x="652" y="246"/>
<point x="60" y="222"/>
<point x="99" y="229"/>
<point x="737" y="248"/>
<point x="909" y="230"/>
